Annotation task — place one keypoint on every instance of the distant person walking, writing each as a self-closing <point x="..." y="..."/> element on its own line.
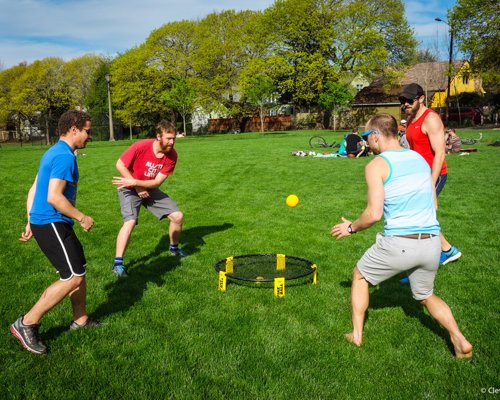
<point x="401" y="189"/>
<point x="144" y="166"/>
<point x="425" y="135"/>
<point x="51" y="211"/>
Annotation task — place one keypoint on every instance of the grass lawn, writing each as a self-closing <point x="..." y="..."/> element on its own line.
<point x="169" y="334"/>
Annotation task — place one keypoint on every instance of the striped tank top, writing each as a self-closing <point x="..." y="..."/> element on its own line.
<point x="408" y="195"/>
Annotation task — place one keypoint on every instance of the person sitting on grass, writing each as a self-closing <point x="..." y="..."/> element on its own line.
<point x="401" y="189"/>
<point x="453" y="142"/>
<point x="355" y="145"/>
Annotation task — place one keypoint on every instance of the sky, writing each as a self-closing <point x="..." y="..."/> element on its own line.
<point x="34" y="29"/>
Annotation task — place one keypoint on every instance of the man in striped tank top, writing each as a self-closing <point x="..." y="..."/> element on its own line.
<point x="400" y="188"/>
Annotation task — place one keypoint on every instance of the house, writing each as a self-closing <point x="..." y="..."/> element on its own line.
<point x="432" y="76"/>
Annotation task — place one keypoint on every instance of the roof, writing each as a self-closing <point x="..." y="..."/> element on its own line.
<point x="432" y="76"/>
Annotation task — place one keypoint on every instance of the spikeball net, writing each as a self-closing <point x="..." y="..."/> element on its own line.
<point x="261" y="268"/>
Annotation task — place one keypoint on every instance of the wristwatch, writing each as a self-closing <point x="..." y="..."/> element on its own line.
<point x="349" y="229"/>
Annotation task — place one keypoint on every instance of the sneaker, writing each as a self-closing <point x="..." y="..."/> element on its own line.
<point x="90" y="323"/>
<point x="451" y="255"/>
<point x="120" y="271"/>
<point x="178" y="253"/>
<point x="405" y="280"/>
<point x="29" y="336"/>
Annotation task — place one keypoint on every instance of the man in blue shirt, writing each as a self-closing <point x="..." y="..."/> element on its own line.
<point x="400" y="188"/>
<point x="51" y="211"/>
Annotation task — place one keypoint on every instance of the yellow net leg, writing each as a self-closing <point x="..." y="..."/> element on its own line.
<point x="279" y="287"/>
<point x="315" y="274"/>
<point x="229" y="265"/>
<point x="280" y="262"/>
<point x="222" y="281"/>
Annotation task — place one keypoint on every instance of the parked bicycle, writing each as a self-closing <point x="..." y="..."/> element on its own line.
<point x="472" y="141"/>
<point x="319" y="141"/>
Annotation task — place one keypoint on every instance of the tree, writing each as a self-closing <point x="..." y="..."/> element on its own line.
<point x="42" y="89"/>
<point x="335" y="95"/>
<point x="337" y="37"/>
<point x="181" y="97"/>
<point x="138" y="86"/>
<point x="475" y="27"/>
<point x="258" y="93"/>
<point x="78" y="74"/>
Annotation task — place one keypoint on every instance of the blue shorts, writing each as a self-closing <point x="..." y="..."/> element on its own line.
<point x="441" y="181"/>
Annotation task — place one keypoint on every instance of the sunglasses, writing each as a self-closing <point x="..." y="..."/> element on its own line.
<point x="368" y="133"/>
<point x="404" y="100"/>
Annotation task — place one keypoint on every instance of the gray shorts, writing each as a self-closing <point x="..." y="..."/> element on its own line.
<point x="391" y="255"/>
<point x="158" y="203"/>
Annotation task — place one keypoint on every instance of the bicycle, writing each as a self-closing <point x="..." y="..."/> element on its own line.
<point x="319" y="141"/>
<point x="472" y="141"/>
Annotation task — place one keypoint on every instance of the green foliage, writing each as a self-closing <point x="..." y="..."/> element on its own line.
<point x="475" y="25"/>
<point x="78" y="74"/>
<point x="169" y="334"/>
<point x="138" y="86"/>
<point x="334" y="95"/>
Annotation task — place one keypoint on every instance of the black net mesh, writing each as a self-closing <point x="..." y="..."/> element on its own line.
<point x="265" y="267"/>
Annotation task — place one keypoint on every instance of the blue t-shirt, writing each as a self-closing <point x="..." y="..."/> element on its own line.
<point x="58" y="162"/>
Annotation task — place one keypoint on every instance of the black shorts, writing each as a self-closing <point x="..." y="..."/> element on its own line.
<point x="59" y="243"/>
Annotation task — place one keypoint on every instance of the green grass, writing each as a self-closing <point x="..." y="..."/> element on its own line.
<point x="169" y="333"/>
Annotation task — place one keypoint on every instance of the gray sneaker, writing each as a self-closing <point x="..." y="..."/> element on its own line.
<point x="29" y="336"/>
<point x="90" y="323"/>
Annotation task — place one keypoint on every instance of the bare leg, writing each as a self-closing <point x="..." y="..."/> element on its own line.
<point x="52" y="296"/>
<point x="78" y="299"/>
<point x="360" y="298"/>
<point x="445" y="245"/>
<point x="441" y="312"/>
<point x="124" y="237"/>
<point x="175" y="228"/>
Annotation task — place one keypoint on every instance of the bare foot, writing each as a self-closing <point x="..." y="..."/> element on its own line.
<point x="463" y="349"/>
<point x="350" y="338"/>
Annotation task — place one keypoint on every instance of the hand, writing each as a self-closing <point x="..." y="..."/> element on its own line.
<point x="27" y="234"/>
<point x="142" y="192"/>
<point x="86" y="223"/>
<point x="122" y="182"/>
<point x="340" y="230"/>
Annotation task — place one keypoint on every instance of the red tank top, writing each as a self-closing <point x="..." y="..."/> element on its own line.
<point x="420" y="142"/>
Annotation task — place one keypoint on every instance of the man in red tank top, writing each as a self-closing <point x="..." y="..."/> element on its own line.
<point x="425" y="135"/>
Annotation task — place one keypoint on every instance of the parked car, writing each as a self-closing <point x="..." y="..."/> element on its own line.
<point x="463" y="115"/>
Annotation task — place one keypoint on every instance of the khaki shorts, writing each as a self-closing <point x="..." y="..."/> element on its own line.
<point x="391" y="255"/>
<point x="158" y="204"/>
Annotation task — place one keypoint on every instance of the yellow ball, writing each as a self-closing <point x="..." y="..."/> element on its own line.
<point x="292" y="201"/>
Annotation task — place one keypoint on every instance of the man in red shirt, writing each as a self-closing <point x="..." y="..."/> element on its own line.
<point x="425" y="135"/>
<point x="144" y="166"/>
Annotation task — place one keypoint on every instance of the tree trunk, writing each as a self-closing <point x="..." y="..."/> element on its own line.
<point x="262" y="119"/>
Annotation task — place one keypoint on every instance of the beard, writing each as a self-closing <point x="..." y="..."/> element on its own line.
<point x="412" y="110"/>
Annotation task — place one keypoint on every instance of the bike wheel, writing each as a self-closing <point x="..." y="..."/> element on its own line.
<point x="317" y="141"/>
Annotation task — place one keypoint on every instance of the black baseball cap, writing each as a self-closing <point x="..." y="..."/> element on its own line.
<point x="412" y="91"/>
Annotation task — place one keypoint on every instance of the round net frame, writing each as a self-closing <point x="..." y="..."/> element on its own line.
<point x="265" y="267"/>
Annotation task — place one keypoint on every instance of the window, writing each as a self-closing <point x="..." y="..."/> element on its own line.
<point x="465" y="79"/>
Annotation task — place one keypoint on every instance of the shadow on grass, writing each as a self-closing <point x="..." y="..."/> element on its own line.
<point x="124" y="293"/>
<point x="392" y="293"/>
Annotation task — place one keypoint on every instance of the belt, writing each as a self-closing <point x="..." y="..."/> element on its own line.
<point x="417" y="236"/>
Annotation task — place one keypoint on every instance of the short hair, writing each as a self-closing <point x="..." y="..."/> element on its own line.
<point x="385" y="123"/>
<point x="354" y="130"/>
<point x="71" y="118"/>
<point x="165" y="126"/>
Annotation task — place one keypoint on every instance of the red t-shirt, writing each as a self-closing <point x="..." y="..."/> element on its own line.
<point x="142" y="163"/>
<point x="419" y="141"/>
